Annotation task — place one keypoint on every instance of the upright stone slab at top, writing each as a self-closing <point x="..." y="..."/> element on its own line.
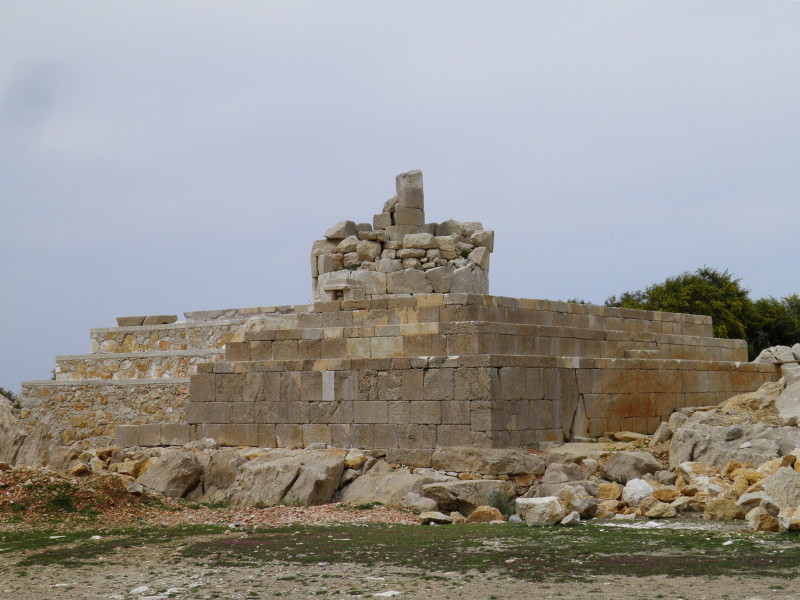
<point x="401" y="254"/>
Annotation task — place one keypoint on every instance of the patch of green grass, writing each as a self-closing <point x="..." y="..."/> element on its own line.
<point x="525" y="553"/>
<point x="47" y="547"/>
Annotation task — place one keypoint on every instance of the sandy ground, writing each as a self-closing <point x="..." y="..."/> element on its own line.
<point x="165" y="573"/>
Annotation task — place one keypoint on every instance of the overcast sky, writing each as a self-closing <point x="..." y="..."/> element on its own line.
<point x="161" y="157"/>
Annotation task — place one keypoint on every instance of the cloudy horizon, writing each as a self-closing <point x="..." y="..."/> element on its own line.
<point x="157" y="158"/>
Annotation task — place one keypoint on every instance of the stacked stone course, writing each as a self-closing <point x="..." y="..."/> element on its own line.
<point x="400" y="253"/>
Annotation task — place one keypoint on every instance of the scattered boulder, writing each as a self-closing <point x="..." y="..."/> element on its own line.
<point x="435" y="518"/>
<point x="174" y="474"/>
<point x="540" y="511"/>
<point x="783" y="487"/>
<point x="723" y="509"/>
<point x="624" y="466"/>
<point x="465" y="496"/>
<point x="575" y="501"/>
<point x="485" y="514"/>
<point x="571" y="519"/>
<point x="385" y="485"/>
<point x="635" y="490"/>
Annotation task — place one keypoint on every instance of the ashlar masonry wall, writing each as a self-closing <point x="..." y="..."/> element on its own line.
<point x="411" y="373"/>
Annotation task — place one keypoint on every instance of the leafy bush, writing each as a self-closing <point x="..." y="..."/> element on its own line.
<point x="704" y="292"/>
<point x="763" y="323"/>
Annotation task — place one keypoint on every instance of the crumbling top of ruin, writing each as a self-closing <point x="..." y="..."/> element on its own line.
<point x="401" y="254"/>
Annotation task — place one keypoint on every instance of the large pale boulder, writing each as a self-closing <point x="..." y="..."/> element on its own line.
<point x="712" y="438"/>
<point x="465" y="496"/>
<point x="294" y="477"/>
<point x="775" y="354"/>
<point x="487" y="461"/>
<point x="382" y="484"/>
<point x="788" y="404"/>
<point x="540" y="511"/>
<point x="624" y="466"/>
<point x="173" y="474"/>
<point x="408" y="281"/>
<point x="563" y="472"/>
<point x="635" y="490"/>
<point x="578" y="501"/>
<point x="783" y="487"/>
<point x="723" y="509"/>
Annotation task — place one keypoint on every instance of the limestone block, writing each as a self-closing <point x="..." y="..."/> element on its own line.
<point x="175" y="434"/>
<point x="160" y="319"/>
<point x="127" y="435"/>
<point x="450" y="228"/>
<point x="409" y="216"/>
<point x="375" y="236"/>
<point x="469" y="228"/>
<point x="341" y="230"/>
<point x="382" y="220"/>
<point x="635" y="490"/>
<point x="130" y="321"/>
<point x="390" y="204"/>
<point x="469" y="280"/>
<point x="398" y="232"/>
<point x="404" y="253"/>
<point x="540" y="511"/>
<point x="408" y="281"/>
<point x="447" y="246"/>
<point x="484" y="239"/>
<point x="420" y="240"/>
<point x="327" y="263"/>
<point x="480" y="256"/>
<point x="348" y="244"/>
<point x="409" y="179"/>
<point x="388" y="265"/>
<point x="440" y="278"/>
<point x="373" y="282"/>
<point x="350" y="260"/>
<point x="368" y="250"/>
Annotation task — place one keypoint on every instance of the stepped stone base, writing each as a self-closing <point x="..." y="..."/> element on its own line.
<point x="405" y="374"/>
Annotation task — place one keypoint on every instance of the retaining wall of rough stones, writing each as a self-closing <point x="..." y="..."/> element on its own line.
<point x="87" y="413"/>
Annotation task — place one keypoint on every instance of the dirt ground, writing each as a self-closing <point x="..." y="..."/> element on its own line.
<point x="166" y="575"/>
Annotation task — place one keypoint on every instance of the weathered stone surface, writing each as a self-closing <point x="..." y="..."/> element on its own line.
<point x="441" y="278"/>
<point x="11" y="434"/>
<point x="487" y="461"/>
<point x="758" y="519"/>
<point x="341" y="230"/>
<point x="660" y="510"/>
<point x="480" y="256"/>
<point x="348" y="244"/>
<point x="576" y="452"/>
<point x="540" y="511"/>
<point x="775" y="354"/>
<point x="783" y="487"/>
<point x="294" y="477"/>
<point x="159" y="319"/>
<point x="723" y="509"/>
<point x="464" y="496"/>
<point x="571" y="519"/>
<point x="624" y="466"/>
<point x="788" y="404"/>
<point x="582" y="503"/>
<point x="662" y="434"/>
<point x="408" y="281"/>
<point x="561" y="472"/>
<point x="422" y="241"/>
<point x="635" y="490"/>
<point x="416" y="503"/>
<point x="485" y="514"/>
<point x="221" y="473"/>
<point x="609" y="491"/>
<point x="389" y="488"/>
<point x="130" y="321"/>
<point x="702" y="438"/>
<point x="368" y="250"/>
<point x="173" y="474"/>
<point x="435" y="517"/>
